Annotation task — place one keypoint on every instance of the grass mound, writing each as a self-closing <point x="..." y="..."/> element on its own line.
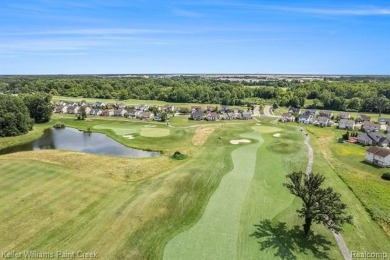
<point x="283" y="147"/>
<point x="178" y="156"/>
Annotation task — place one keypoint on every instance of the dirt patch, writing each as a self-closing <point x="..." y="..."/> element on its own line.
<point x="243" y="141"/>
<point x="202" y="133"/>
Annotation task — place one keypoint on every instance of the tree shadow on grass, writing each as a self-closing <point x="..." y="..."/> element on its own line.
<point x="288" y="242"/>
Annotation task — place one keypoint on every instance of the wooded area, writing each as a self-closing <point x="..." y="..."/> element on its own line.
<point x="350" y="94"/>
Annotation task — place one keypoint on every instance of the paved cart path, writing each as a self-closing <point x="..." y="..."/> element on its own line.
<point x="339" y="238"/>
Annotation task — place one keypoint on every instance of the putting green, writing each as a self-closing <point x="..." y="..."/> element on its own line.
<point x="215" y="235"/>
<point x="266" y="129"/>
<point x="119" y="130"/>
<point x="154" y="132"/>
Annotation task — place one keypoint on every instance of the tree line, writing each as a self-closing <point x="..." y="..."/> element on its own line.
<point x="19" y="113"/>
<point x="350" y="94"/>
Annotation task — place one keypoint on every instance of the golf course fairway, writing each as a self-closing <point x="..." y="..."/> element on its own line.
<point x="215" y="235"/>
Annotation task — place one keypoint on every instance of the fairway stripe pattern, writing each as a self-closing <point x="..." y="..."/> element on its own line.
<point x="215" y="235"/>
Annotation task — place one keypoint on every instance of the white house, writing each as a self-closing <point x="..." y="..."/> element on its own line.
<point x="306" y="119"/>
<point x="370" y="153"/>
<point x="378" y="156"/>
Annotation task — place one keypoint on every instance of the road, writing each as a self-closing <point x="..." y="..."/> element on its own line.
<point x="268" y="111"/>
<point x="339" y="238"/>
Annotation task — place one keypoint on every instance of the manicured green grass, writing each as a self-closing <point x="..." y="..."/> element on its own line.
<point x="215" y="235"/>
<point x="269" y="225"/>
<point x="252" y="194"/>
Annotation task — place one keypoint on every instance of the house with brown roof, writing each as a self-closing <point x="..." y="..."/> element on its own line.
<point x="287" y="117"/>
<point x="363" y="118"/>
<point x="344" y="115"/>
<point x="378" y="156"/>
<point x="327" y="114"/>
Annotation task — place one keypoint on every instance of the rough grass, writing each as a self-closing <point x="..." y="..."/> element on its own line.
<point x="202" y="133"/>
<point x="362" y="189"/>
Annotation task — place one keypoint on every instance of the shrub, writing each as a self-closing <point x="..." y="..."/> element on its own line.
<point x="386" y="176"/>
<point x="178" y="156"/>
<point x="59" y="125"/>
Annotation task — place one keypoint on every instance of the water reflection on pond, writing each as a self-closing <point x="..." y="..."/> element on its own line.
<point x="75" y="140"/>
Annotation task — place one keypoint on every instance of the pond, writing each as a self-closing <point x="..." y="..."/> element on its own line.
<point x="75" y="140"/>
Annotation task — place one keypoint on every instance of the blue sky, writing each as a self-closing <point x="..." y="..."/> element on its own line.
<point x="119" y="36"/>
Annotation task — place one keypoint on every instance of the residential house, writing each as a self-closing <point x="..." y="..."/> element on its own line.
<point x="346" y="124"/>
<point x="305" y="119"/>
<point x="364" y="139"/>
<point x="99" y="104"/>
<point x="211" y="109"/>
<point x="344" y="115"/>
<point x="131" y="112"/>
<point x="120" y="106"/>
<point x="312" y="112"/>
<point x="322" y="121"/>
<point x="158" y="117"/>
<point x="196" y="115"/>
<point x="370" y="126"/>
<point x="87" y="109"/>
<point x="379" y="157"/>
<point x="146" y="115"/>
<point x="143" y="107"/>
<point x="169" y="108"/>
<point x="73" y="109"/>
<point x="120" y="112"/>
<point x="111" y="106"/>
<point x="294" y="110"/>
<point x="213" y="116"/>
<point x="287" y="117"/>
<point x="232" y="115"/>
<point x="95" y="112"/>
<point x="107" y="112"/>
<point x="61" y="109"/>
<point x="225" y="108"/>
<point x="378" y="139"/>
<point x="196" y="108"/>
<point x="246" y="116"/>
<point x="327" y="114"/>
<point x="363" y="118"/>
<point x="370" y="153"/>
<point x="384" y="121"/>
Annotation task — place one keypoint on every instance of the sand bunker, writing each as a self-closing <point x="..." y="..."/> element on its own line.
<point x="129" y="136"/>
<point x="245" y="141"/>
<point x="277" y="135"/>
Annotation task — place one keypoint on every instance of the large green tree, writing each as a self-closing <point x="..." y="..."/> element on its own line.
<point x="14" y="116"/>
<point x="320" y="205"/>
<point x="40" y="107"/>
